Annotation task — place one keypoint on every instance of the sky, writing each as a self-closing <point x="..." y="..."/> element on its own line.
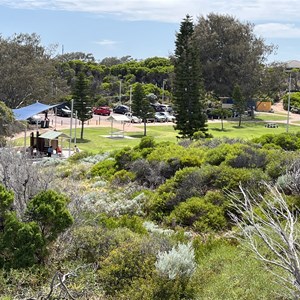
<point x="143" y="28"/>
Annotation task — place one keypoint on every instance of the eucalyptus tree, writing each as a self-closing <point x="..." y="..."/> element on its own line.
<point x="28" y="72"/>
<point x="188" y="88"/>
<point x="230" y="54"/>
<point x="6" y="122"/>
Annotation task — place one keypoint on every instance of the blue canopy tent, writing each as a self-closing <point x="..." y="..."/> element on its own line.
<point x="23" y="113"/>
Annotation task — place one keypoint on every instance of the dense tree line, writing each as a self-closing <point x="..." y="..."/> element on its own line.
<point x="228" y="51"/>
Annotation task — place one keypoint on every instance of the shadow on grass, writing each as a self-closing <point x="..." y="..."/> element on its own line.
<point x="220" y="129"/>
<point x="81" y="141"/>
<point x="137" y="136"/>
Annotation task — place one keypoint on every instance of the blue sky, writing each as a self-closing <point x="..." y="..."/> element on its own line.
<point x="143" y="28"/>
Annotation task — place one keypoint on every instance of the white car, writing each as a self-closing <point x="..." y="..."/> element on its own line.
<point x="159" y="117"/>
<point x="133" y="119"/>
<point x="168" y="116"/>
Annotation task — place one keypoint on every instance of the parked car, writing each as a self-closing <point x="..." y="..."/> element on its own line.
<point x="168" y="116"/>
<point x="102" y="110"/>
<point x="63" y="110"/>
<point x="165" y="107"/>
<point x="133" y="119"/>
<point x="36" y="119"/>
<point x="159" y="118"/>
<point x="121" y="109"/>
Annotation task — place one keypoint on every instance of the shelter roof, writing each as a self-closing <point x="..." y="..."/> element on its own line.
<point x="292" y="64"/>
<point x="31" y="110"/>
<point x="120" y="118"/>
<point x="52" y="135"/>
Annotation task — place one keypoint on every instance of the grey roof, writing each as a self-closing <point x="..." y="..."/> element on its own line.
<point x="292" y="64"/>
<point x="120" y="118"/>
<point x="52" y="135"/>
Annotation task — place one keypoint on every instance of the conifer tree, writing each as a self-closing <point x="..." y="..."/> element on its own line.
<point x="239" y="102"/>
<point x="188" y="86"/>
<point x="141" y="105"/>
<point x="82" y="102"/>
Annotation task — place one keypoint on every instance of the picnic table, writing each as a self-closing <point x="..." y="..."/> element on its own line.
<point x="271" y="125"/>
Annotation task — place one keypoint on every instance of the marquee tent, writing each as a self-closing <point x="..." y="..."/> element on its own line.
<point x="31" y="110"/>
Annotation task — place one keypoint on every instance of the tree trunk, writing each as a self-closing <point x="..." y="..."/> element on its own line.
<point x="81" y="133"/>
<point x="145" y="128"/>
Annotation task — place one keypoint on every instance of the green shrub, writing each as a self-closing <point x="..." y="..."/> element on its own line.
<point x="78" y="156"/>
<point x="123" y="157"/>
<point x="146" y="142"/>
<point x="93" y="243"/>
<point x="123" y="266"/>
<point x="187" y="157"/>
<point x="22" y="244"/>
<point x="187" y="183"/>
<point x="105" y="169"/>
<point x="199" y="214"/>
<point x="287" y="141"/>
<point x="245" y="156"/>
<point x="278" y="163"/>
<point x="122" y="177"/>
<point x="134" y="223"/>
<point x="49" y="210"/>
<point x="229" y="178"/>
<point x="217" y="155"/>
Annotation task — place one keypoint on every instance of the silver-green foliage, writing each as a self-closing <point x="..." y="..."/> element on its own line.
<point x="178" y="262"/>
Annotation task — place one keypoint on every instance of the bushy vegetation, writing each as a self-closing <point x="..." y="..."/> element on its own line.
<point x="149" y="222"/>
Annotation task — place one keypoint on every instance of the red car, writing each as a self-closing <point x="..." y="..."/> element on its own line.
<point x="102" y="110"/>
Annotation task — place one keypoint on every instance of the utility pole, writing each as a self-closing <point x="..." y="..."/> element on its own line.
<point x="120" y="92"/>
<point x="289" y="103"/>
<point x="163" y="88"/>
<point x="130" y="96"/>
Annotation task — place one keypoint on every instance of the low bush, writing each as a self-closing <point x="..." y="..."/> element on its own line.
<point x="105" y="169"/>
<point x="199" y="214"/>
<point x="122" y="177"/>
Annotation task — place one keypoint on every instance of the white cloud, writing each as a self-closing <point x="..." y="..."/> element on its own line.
<point x="277" y="30"/>
<point x="172" y="10"/>
<point x="106" y="43"/>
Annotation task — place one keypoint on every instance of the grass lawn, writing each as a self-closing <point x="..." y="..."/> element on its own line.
<point x="97" y="139"/>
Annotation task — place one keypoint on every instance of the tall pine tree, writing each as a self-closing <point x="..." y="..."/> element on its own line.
<point x="82" y="102"/>
<point x="188" y="87"/>
<point x="141" y="105"/>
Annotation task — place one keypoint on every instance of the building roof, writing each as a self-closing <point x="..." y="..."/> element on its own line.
<point x="120" y="118"/>
<point x="52" y="135"/>
<point x="26" y="112"/>
<point x="292" y="64"/>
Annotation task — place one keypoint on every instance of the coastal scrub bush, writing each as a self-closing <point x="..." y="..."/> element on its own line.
<point x="105" y="168"/>
<point x="124" y="265"/>
<point x="122" y="177"/>
<point x="199" y="214"/>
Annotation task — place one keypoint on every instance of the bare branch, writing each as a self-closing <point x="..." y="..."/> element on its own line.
<point x="269" y="221"/>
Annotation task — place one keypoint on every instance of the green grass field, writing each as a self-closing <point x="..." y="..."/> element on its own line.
<point x="98" y="139"/>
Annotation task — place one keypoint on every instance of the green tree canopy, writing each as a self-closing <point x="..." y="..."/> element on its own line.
<point x="141" y="105"/>
<point x="230" y="54"/>
<point x="188" y="88"/>
<point x="82" y="101"/>
<point x="28" y="72"/>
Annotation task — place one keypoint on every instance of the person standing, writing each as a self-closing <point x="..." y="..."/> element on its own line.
<point x="50" y="151"/>
<point x="76" y="149"/>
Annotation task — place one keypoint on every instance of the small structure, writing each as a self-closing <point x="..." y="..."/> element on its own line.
<point x="41" y="142"/>
<point x="119" y="118"/>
